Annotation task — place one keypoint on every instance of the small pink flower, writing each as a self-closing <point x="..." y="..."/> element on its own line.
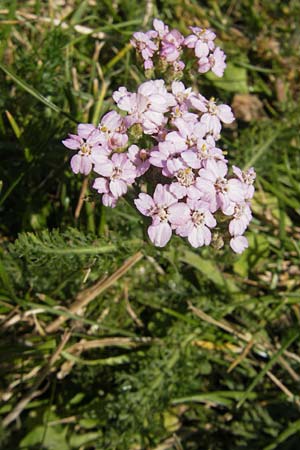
<point x="161" y="29"/>
<point x="147" y="106"/>
<point x="247" y="178"/>
<point x="120" y="173"/>
<point x="171" y="46"/>
<point x="185" y="184"/>
<point x="216" y="189"/>
<point x="217" y="62"/>
<point x="144" y="45"/>
<point x="241" y="218"/>
<point x="204" y="64"/>
<point x="165" y="212"/>
<point x="239" y="244"/>
<point x="188" y="133"/>
<point x="202" y="40"/>
<point x="197" y="227"/>
<point x="167" y="156"/>
<point x="102" y="187"/>
<point x="180" y="93"/>
<point x="112" y="130"/>
<point x="140" y="158"/>
<point x="206" y="149"/>
<point x="213" y="114"/>
<point x="89" y="146"/>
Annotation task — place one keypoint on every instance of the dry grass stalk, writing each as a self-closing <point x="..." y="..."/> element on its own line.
<point x="89" y="294"/>
<point x="34" y="392"/>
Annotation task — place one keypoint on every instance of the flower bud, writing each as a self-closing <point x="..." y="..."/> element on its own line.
<point x="217" y="241"/>
<point x="149" y="73"/>
<point x="135" y="131"/>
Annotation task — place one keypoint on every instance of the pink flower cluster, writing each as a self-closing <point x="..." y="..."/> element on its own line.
<point x="166" y="47"/>
<point x="169" y="133"/>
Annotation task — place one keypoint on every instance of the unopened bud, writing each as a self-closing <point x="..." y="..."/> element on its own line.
<point x="149" y="73"/>
<point x="173" y="75"/>
<point x="217" y="241"/>
<point x="162" y="65"/>
<point x="135" y="131"/>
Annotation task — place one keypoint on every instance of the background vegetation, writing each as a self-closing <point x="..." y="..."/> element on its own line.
<point x="107" y="342"/>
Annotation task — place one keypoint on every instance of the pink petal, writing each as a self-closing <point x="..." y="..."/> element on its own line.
<point x="85" y="129"/>
<point x="191" y="159"/>
<point x="193" y="193"/>
<point x="112" y="120"/>
<point x="236" y="192"/>
<point x="86" y="165"/>
<point x="118" y="188"/>
<point x="105" y="168"/>
<point x="186" y="229"/>
<point x="160" y="234"/>
<point x="199" y="102"/>
<point x="225" y="113"/>
<point x="239" y="244"/>
<point x="201" y="49"/>
<point x="190" y="41"/>
<point x="101" y="185"/>
<point x="99" y="156"/>
<point x="210" y="220"/>
<point x="178" y="190"/>
<point x="163" y="197"/>
<point x="109" y="200"/>
<point x="76" y="163"/>
<point x="72" y="144"/>
<point x="207" y="235"/>
<point x="236" y="227"/>
<point x="178" y="213"/>
<point x="175" y="164"/>
<point x="144" y="204"/>
<point x="196" y="237"/>
<point x="177" y="87"/>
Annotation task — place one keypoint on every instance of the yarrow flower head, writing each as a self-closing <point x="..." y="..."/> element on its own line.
<point x="159" y="147"/>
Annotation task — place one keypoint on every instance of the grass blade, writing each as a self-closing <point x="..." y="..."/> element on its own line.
<point x="33" y="92"/>
<point x="267" y="367"/>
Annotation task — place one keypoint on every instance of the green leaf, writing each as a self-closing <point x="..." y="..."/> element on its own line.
<point x="111" y="361"/>
<point x="32" y="91"/>
<point x="292" y="429"/>
<point x="224" y="398"/>
<point x="267" y="367"/>
<point x="54" y="438"/>
<point x="210" y="270"/>
<point x="78" y="440"/>
<point x="233" y="80"/>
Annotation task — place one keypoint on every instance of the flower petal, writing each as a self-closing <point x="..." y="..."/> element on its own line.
<point x="160" y="234"/>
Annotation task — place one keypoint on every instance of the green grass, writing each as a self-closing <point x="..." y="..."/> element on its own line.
<point x="174" y="348"/>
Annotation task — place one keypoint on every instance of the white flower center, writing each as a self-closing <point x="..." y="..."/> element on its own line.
<point x="143" y="155"/>
<point x="191" y="141"/>
<point x="238" y="211"/>
<point x="116" y="173"/>
<point x="202" y="152"/>
<point x="185" y="177"/>
<point x="200" y="34"/>
<point x="198" y="218"/>
<point x="248" y="177"/>
<point x="159" y="211"/>
<point x="85" y="149"/>
<point x="212" y="107"/>
<point x="162" y="213"/>
<point x="212" y="60"/>
<point x="221" y="185"/>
